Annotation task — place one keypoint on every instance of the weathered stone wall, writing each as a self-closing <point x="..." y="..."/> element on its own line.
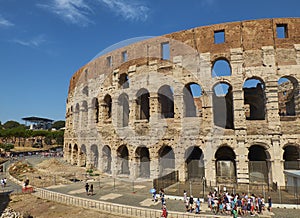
<point x="157" y="145"/>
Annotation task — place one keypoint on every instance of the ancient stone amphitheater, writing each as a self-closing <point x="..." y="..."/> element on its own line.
<point x="217" y="102"/>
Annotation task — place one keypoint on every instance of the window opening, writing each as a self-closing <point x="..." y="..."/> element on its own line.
<point x="221" y="68"/>
<point x="281" y="30"/>
<point x="165" y="49"/>
<point x="219" y="36"/>
<point x="109" y="61"/>
<point x="124" y="56"/>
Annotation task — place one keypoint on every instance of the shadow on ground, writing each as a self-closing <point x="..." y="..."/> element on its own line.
<point x="4" y="199"/>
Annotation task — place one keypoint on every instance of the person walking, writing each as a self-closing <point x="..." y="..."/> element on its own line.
<point x="87" y="188"/>
<point x="164" y="211"/>
<point x="91" y="189"/>
<point x="198" y="206"/>
<point x="270" y="204"/>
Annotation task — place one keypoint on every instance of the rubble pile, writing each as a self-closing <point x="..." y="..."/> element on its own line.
<point x="11" y="213"/>
<point x="19" y="168"/>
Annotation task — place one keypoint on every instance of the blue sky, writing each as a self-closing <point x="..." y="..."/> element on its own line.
<point x="43" y="42"/>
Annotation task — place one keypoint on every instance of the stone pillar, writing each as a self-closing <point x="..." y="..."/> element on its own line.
<point x="133" y="167"/>
<point x="271" y="89"/>
<point x="132" y="112"/>
<point x="277" y="163"/>
<point x="272" y="106"/>
<point x="180" y="165"/>
<point x="242" y="169"/>
<point x="178" y="106"/>
<point x="154" y="165"/>
<point x="154" y="108"/>
<point x="210" y="162"/>
<point x="208" y="122"/>
<point x="114" y="164"/>
<point x="115" y="112"/>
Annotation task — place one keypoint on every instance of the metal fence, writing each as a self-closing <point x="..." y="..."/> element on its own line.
<point x="200" y="188"/>
<point x="166" y="181"/>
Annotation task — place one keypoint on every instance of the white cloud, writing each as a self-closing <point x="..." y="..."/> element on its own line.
<point x="79" y="11"/>
<point x="73" y="11"/>
<point x="128" y="9"/>
<point x="33" y="43"/>
<point x="5" y="23"/>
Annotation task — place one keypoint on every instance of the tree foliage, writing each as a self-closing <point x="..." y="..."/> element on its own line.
<point x="58" y="124"/>
<point x="11" y="124"/>
<point x="12" y="131"/>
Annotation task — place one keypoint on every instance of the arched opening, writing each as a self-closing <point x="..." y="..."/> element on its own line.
<point x="223" y="105"/>
<point x="77" y="108"/>
<point x="166" y="160"/>
<point x="123" y="160"/>
<point x="142" y="153"/>
<point x="106" y="159"/>
<point x="166" y="101"/>
<point x="221" y="67"/>
<point x="288" y="96"/>
<point x="107" y="106"/>
<point x="123" y="110"/>
<point x="192" y="94"/>
<point x="254" y="99"/>
<point x="75" y="154"/>
<point x="69" y="152"/>
<point x="194" y="160"/>
<point x="143" y="106"/>
<point x="95" y="107"/>
<point x="94" y="156"/>
<point x="82" y="156"/>
<point x="259" y="169"/>
<point x="291" y="157"/>
<point x="85" y="91"/>
<point x="84" y="114"/>
<point x="225" y="165"/>
<point x="124" y="81"/>
<point x="76" y="115"/>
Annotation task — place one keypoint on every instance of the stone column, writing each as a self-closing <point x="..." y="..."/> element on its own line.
<point x="242" y="169"/>
<point x="209" y="162"/>
<point x="180" y="165"/>
<point x="178" y="106"/>
<point x="132" y="112"/>
<point x="154" y="108"/>
<point x="154" y="165"/>
<point x="133" y="167"/>
<point x="271" y="89"/>
<point x="114" y="164"/>
<point x="277" y="163"/>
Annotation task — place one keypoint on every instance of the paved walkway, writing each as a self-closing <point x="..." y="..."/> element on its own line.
<point x="123" y="191"/>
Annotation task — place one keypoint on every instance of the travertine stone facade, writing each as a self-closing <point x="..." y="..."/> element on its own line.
<point x="219" y="102"/>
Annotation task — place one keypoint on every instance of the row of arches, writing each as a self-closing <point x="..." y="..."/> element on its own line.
<point x="193" y="98"/>
<point x="225" y="161"/>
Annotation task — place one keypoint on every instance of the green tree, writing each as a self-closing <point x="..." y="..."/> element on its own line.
<point x="11" y="124"/>
<point x="58" y="124"/>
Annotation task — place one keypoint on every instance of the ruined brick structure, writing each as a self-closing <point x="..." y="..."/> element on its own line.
<point x="164" y="104"/>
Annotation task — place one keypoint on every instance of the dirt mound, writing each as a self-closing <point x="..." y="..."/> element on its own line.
<point x="50" y="164"/>
<point x="19" y="168"/>
<point x="47" y="173"/>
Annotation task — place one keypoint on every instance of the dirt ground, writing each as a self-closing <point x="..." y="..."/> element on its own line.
<point x="46" y="173"/>
<point x="39" y="208"/>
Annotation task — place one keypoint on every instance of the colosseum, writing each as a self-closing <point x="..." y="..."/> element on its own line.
<point x="218" y="102"/>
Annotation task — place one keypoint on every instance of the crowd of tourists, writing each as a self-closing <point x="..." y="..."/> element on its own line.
<point x="238" y="204"/>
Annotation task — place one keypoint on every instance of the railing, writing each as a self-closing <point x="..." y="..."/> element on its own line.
<point x="112" y="208"/>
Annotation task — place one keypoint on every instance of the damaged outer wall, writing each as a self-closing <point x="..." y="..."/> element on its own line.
<point x="252" y="49"/>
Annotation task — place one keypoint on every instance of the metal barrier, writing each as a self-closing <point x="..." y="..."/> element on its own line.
<point x="117" y="209"/>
